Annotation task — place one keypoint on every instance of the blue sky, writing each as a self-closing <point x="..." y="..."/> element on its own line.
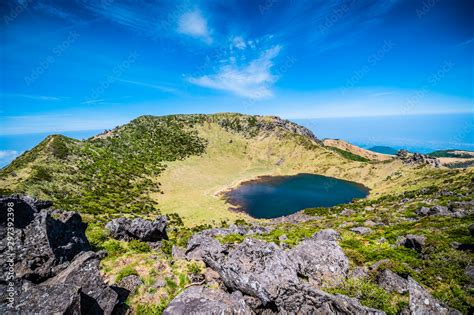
<point x="85" y="64"/>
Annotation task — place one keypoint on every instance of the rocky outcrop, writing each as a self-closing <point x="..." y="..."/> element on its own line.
<point x="417" y="159"/>
<point x="201" y="300"/>
<point x="416" y="242"/>
<point x="130" y="283"/>
<point x="421" y="302"/>
<point x="54" y="271"/>
<point x="140" y="229"/>
<point x="201" y="247"/>
<point x="321" y="259"/>
<point x="362" y="230"/>
<point x="392" y="282"/>
<point x="43" y="243"/>
<point x="442" y="211"/>
<point x="271" y="279"/>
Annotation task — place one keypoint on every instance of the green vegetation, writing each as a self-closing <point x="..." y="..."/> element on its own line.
<point x="349" y="155"/>
<point x="125" y="272"/>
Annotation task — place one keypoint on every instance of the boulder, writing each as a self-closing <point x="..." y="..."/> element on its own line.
<point x="455" y="209"/>
<point x="201" y="300"/>
<point x="391" y="282"/>
<point x="42" y="299"/>
<point x="412" y="241"/>
<point x="322" y="261"/>
<point x="141" y="229"/>
<point x="43" y="244"/>
<point x="201" y="246"/>
<point x="83" y="272"/>
<point x="327" y="235"/>
<point x="421" y="302"/>
<point x="264" y="271"/>
<point x="361" y="230"/>
<point x="130" y="283"/>
<point x="178" y="252"/>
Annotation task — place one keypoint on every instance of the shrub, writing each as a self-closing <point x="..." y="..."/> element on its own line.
<point x="194" y="268"/>
<point x="125" y="272"/>
<point x="96" y="236"/>
<point x="139" y="246"/>
<point x="112" y="247"/>
<point x="167" y="247"/>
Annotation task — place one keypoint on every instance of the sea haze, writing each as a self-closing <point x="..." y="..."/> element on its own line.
<point x="417" y="133"/>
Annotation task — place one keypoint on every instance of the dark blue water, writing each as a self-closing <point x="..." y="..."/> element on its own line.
<point x="275" y="196"/>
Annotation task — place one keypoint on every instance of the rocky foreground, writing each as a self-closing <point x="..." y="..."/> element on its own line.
<point x="57" y="272"/>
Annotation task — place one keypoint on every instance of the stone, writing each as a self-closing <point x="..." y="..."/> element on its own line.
<point x="421" y="302"/>
<point x="43" y="244"/>
<point x="360" y="273"/>
<point x="362" y="230"/>
<point x="141" y="229"/>
<point x="83" y="272"/>
<point x="201" y="300"/>
<point x="471" y="229"/>
<point x="130" y="283"/>
<point x="370" y="223"/>
<point x="178" y="252"/>
<point x="322" y="261"/>
<point x="412" y="241"/>
<point x="347" y="212"/>
<point x="391" y="282"/>
<point x="327" y="235"/>
<point x="200" y="246"/>
<point x="282" y="238"/>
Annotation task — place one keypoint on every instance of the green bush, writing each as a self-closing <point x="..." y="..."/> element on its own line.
<point x="125" y="272"/>
<point x="113" y="247"/>
<point x="139" y="246"/>
<point x="96" y="235"/>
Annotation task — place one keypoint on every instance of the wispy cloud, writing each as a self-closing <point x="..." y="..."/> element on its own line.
<point x="162" y="88"/>
<point x="195" y="25"/>
<point x="466" y="43"/>
<point x="33" y="97"/>
<point x="252" y="80"/>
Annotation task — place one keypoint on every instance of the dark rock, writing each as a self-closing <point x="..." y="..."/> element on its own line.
<point x="130" y="283"/>
<point x="83" y="272"/>
<point x="471" y="229"/>
<point x="361" y="230"/>
<point x="144" y="230"/>
<point x="421" y="302"/>
<point x="200" y="246"/>
<point x="390" y="282"/>
<point x="412" y="241"/>
<point x="262" y="270"/>
<point x="43" y="244"/>
<point x="417" y="159"/>
<point x="42" y="299"/>
<point x="322" y="261"/>
<point x="201" y="300"/>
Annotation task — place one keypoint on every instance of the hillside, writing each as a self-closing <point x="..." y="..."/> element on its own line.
<point x="367" y="154"/>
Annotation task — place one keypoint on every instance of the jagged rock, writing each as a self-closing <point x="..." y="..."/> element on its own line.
<point x="130" y="283"/>
<point x="200" y="246"/>
<point x="83" y="272"/>
<point x="390" y="281"/>
<point x="412" y="241"/>
<point x="417" y="159"/>
<point x="322" y="261"/>
<point x="421" y="302"/>
<point x="439" y="210"/>
<point x="327" y="235"/>
<point x="262" y="270"/>
<point x="201" y="300"/>
<point x="361" y="230"/>
<point x="42" y="299"/>
<point x="141" y="229"/>
<point x="255" y="268"/>
<point x="178" y="252"/>
<point x="42" y="243"/>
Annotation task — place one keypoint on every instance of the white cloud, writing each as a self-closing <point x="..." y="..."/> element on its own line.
<point x="8" y="154"/>
<point x="252" y="80"/>
<point x="239" y="42"/>
<point x="195" y="25"/>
